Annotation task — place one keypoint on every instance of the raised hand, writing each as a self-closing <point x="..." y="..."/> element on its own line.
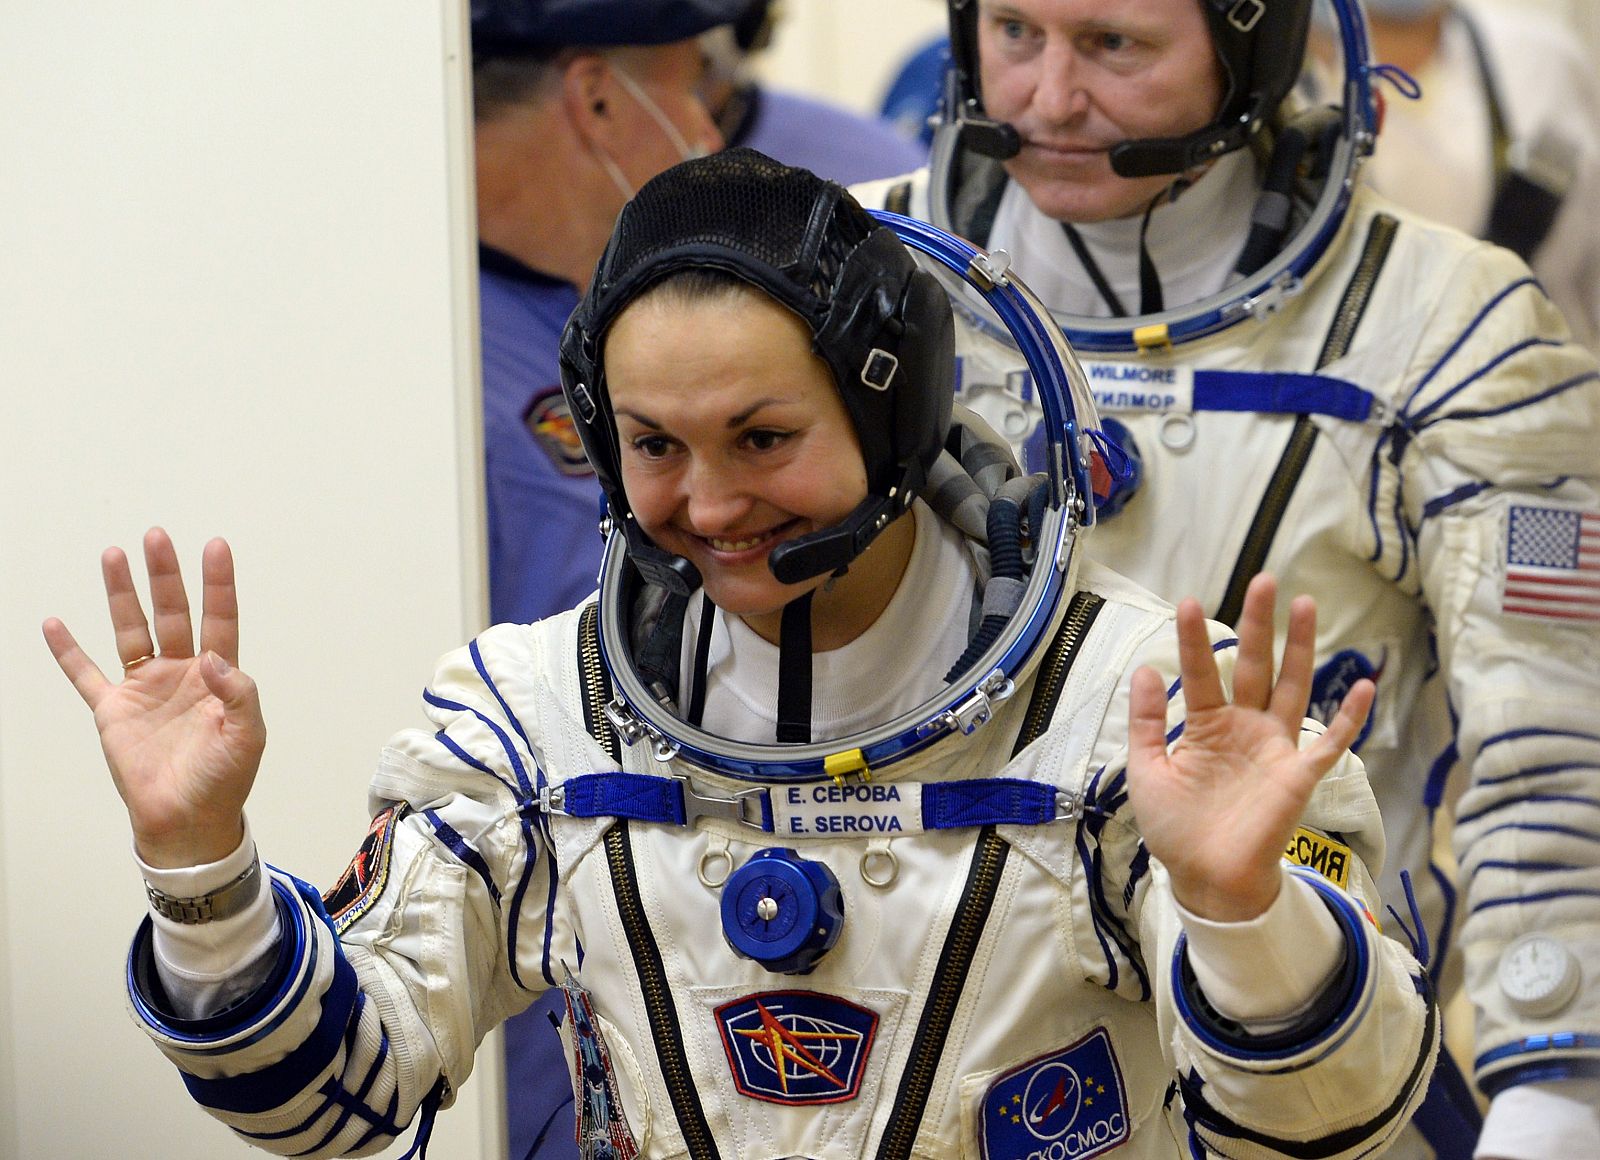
<point x="1220" y="807"/>
<point x="182" y="733"/>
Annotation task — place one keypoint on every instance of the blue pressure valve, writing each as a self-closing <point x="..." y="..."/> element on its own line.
<point x="783" y="911"/>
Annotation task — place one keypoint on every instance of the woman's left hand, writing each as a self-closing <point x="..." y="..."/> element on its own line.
<point x="1219" y="808"/>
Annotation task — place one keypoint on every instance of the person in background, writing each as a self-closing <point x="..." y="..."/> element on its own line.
<point x="575" y="106"/>
<point x="794" y="128"/>
<point x="1503" y="141"/>
<point x="1384" y="412"/>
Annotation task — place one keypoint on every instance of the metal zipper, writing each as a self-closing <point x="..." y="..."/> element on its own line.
<point x="1380" y="237"/>
<point x="944" y="995"/>
<point x="977" y="900"/>
<point x="1303" y="438"/>
<point x="665" y="1031"/>
<point x="662" y="1014"/>
<point x="1053" y="669"/>
<point x="596" y="686"/>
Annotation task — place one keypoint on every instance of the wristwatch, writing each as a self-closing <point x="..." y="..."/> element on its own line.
<point x="1539" y="975"/>
<point x="223" y="902"/>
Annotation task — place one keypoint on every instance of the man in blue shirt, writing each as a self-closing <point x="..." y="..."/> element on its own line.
<point x="575" y="105"/>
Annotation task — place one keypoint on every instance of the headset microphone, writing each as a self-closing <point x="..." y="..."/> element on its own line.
<point x="997" y="139"/>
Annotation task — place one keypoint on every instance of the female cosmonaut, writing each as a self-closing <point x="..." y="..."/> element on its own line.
<point x="845" y="816"/>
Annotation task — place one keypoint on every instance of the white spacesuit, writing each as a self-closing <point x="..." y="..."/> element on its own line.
<point x="1393" y="417"/>
<point x="938" y="935"/>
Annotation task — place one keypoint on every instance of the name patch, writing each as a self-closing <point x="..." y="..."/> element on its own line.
<point x="1318" y="852"/>
<point x="1068" y="1105"/>
<point x="796" y="1047"/>
<point x="865" y="808"/>
<point x="1134" y="388"/>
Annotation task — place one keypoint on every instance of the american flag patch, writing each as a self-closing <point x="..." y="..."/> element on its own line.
<point x="1552" y="564"/>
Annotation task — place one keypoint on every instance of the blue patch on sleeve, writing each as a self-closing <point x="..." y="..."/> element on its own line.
<point x="1068" y="1105"/>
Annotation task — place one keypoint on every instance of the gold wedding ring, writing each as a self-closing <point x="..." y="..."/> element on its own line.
<point x="129" y="666"/>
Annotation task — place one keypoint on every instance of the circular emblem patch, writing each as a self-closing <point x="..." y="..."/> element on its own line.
<point x="1334" y="679"/>
<point x="550" y="423"/>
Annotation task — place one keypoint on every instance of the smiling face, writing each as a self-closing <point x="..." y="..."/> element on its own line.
<point x="733" y="439"/>
<point x="1075" y="77"/>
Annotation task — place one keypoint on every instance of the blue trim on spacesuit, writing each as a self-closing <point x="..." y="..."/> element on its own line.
<point x="1494" y="412"/>
<point x="1420" y="419"/>
<point x="483" y="674"/>
<point x="527" y="793"/>
<point x="1216" y="647"/>
<point x="1534" y="731"/>
<point x="351" y="1103"/>
<point x="457" y="845"/>
<point x="1569" y="798"/>
<point x="1332" y="1019"/>
<point x="277" y="1084"/>
<point x="1539" y="771"/>
<point x="438" y="702"/>
<point x="1443" y="503"/>
<point x="1397" y="437"/>
<point x="1173" y="689"/>
<point x="1546" y="828"/>
<point x="1099" y="808"/>
<point x="1532" y="1072"/>
<point x="1467" y="333"/>
<point x="1528" y="866"/>
<point x="1545" y="896"/>
<point x="202" y="1036"/>
<point x="444" y="739"/>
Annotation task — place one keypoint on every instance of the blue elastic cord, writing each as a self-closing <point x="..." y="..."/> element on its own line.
<point x="429" y="1110"/>
<point x="1402" y="82"/>
<point x="1418" y="939"/>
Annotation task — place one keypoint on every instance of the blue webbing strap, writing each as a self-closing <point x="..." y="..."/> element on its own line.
<point x="945" y="805"/>
<point x="996" y="801"/>
<point x="1281" y="393"/>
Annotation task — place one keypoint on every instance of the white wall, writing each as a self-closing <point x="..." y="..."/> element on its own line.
<point x="848" y="50"/>
<point x="236" y="296"/>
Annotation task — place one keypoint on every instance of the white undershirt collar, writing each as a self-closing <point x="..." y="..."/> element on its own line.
<point x="896" y="665"/>
<point x="1193" y="241"/>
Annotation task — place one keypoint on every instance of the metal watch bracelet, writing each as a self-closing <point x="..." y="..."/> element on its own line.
<point x="223" y="902"/>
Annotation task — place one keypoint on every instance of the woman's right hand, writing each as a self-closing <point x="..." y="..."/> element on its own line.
<point x="182" y="733"/>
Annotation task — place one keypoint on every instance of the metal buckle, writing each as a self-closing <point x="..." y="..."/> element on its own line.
<point x="553" y="800"/>
<point x="627" y="724"/>
<point x="1271" y="298"/>
<point x="631" y="729"/>
<point x="1069" y="806"/>
<point x="992" y="269"/>
<point x="879" y="369"/>
<point x="1255" y="10"/>
<point x="977" y="709"/>
<point x="737" y="808"/>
